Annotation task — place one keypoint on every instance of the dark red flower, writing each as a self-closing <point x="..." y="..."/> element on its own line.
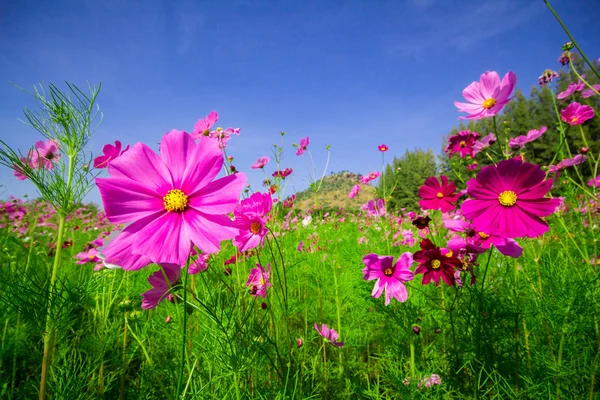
<point x="435" y="266"/>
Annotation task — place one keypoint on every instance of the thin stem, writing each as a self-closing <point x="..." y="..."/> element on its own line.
<point x="183" y="333"/>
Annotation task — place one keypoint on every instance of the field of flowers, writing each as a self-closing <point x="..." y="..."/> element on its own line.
<point x="186" y="283"/>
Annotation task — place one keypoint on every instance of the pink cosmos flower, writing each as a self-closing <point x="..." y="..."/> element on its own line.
<point x="303" y="145"/>
<point x="375" y="208"/>
<point x="431" y="381"/>
<point x="487" y="97"/>
<point x="484" y="143"/>
<point x="90" y="256"/>
<point x="260" y="163"/>
<point x="589" y="92"/>
<point x="462" y="143"/>
<point x="389" y="277"/>
<point x="355" y="190"/>
<point x="568" y="162"/>
<point x="258" y="280"/>
<point x="199" y="265"/>
<point x="547" y="77"/>
<point x="520" y="141"/>
<point x="250" y="219"/>
<point x="594" y="182"/>
<point x="329" y="335"/>
<point x="571" y="89"/>
<point x="436" y="195"/>
<point x="110" y="152"/>
<point x="576" y="114"/>
<point x="45" y="154"/>
<point x="223" y="135"/>
<point x="171" y="201"/>
<point x="160" y="287"/>
<point x="383" y="148"/>
<point x="508" y="200"/>
<point x="203" y="126"/>
<point x="18" y="172"/>
<point x="282" y="173"/>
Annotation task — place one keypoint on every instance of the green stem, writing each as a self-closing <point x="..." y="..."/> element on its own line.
<point x="183" y="333"/>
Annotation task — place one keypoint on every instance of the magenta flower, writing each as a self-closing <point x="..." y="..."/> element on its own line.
<point x="589" y="92"/>
<point x="434" y="265"/>
<point x="568" y="162"/>
<point x="223" y="135"/>
<point x="302" y="147"/>
<point x="355" y="190"/>
<point x="484" y="143"/>
<point x="250" y="219"/>
<point x="594" y="182"/>
<point x="18" y="172"/>
<point x="375" y="208"/>
<point x="160" y="287"/>
<point x="576" y="114"/>
<point x="258" y="280"/>
<point x="390" y="277"/>
<point x="110" y="152"/>
<point x="508" y="200"/>
<point x="260" y="163"/>
<point x="170" y="200"/>
<point x="571" y="89"/>
<point x="90" y="256"/>
<point x="199" y="265"/>
<point x="45" y="154"/>
<point x="203" y="126"/>
<point x="487" y="97"/>
<point x="436" y="195"/>
<point x="329" y="335"/>
<point x="383" y="148"/>
<point x="462" y="143"/>
<point x="520" y="141"/>
<point x="282" y="173"/>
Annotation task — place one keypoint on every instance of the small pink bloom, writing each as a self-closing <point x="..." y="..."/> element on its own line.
<point x="576" y="114"/>
<point x="303" y="145"/>
<point x="250" y="219"/>
<point x="45" y="154"/>
<point x="462" y="143"/>
<point x="199" y="265"/>
<point x="568" y="162"/>
<point x="484" y="143"/>
<point x="383" y="148"/>
<point x="355" y="190"/>
<point x="589" y="92"/>
<point x="520" y="141"/>
<point x="203" y="126"/>
<point x="90" y="256"/>
<point x="594" y="182"/>
<point x="110" y="152"/>
<point x="571" y="89"/>
<point x="260" y="163"/>
<point x="258" y="280"/>
<point x="329" y="335"/>
<point x="282" y="173"/>
<point x="375" y="208"/>
<point x="160" y="287"/>
<point x="18" y="172"/>
<point x="488" y="96"/>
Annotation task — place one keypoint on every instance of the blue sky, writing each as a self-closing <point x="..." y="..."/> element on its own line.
<point x="352" y="74"/>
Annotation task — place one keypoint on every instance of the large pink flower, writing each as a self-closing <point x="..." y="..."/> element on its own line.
<point x="436" y="195"/>
<point x="170" y="200"/>
<point x="250" y="219"/>
<point x="576" y="114"/>
<point x="389" y="277"/>
<point x="508" y="200"/>
<point x="462" y="143"/>
<point x="487" y="97"/>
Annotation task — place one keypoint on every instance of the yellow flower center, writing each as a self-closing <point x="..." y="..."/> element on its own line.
<point x="485" y="235"/>
<point x="440" y="195"/>
<point x="574" y="120"/>
<point x="435" y="264"/>
<point x="255" y="228"/>
<point x="508" y="198"/>
<point x="463" y="143"/>
<point x="91" y="256"/>
<point x="449" y="253"/>
<point x="388" y="272"/>
<point x="262" y="281"/>
<point x="489" y="103"/>
<point x="175" y="200"/>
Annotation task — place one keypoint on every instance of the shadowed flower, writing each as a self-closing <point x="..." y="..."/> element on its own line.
<point x="383" y="148"/>
<point x="434" y="265"/>
<point x="390" y="277"/>
<point x="45" y="154"/>
<point x="18" y="172"/>
<point x="487" y="97"/>
<point x="421" y="222"/>
<point x="160" y="286"/>
<point x="260" y="163"/>
<point x="576" y="114"/>
<point x="250" y="219"/>
<point x="589" y="92"/>
<point x="329" y="335"/>
<point x="303" y="145"/>
<point x="110" y="152"/>
<point x="258" y="280"/>
<point x="520" y="141"/>
<point x="462" y="143"/>
<point x="436" y="195"/>
<point x="508" y="200"/>
<point x="172" y="201"/>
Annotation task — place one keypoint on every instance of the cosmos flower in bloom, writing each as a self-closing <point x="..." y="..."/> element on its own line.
<point x="520" y="141"/>
<point x="484" y="143"/>
<point x="18" y="172"/>
<point x="258" y="280"/>
<point x="487" y="97"/>
<point x="329" y="335"/>
<point x="594" y="182"/>
<point x="303" y="145"/>
<point x="568" y="162"/>
<point x="203" y="126"/>
<point x="576" y="114"/>
<point x="45" y="154"/>
<point x="260" y="163"/>
<point x="436" y="195"/>
<point x="571" y="89"/>
<point x="507" y="200"/>
<point x="383" y="148"/>
<point x="434" y="265"/>
<point x="282" y="173"/>
<point x="110" y="152"/>
<point x="160" y="287"/>
<point x="250" y="219"/>
<point x="462" y="143"/>
<point x="589" y="92"/>
<point x="375" y="208"/>
<point x="354" y="191"/>
<point x="390" y="277"/>
<point x="171" y="201"/>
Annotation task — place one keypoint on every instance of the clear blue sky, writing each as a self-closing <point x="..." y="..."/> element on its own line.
<point x="352" y="74"/>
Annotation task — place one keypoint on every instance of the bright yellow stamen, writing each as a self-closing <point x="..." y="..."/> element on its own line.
<point x="440" y="195"/>
<point x="507" y="198"/>
<point x="255" y="228"/>
<point x="489" y="103"/>
<point x="388" y="272"/>
<point x="573" y="120"/>
<point x="485" y="235"/>
<point x="262" y="281"/>
<point x="449" y="253"/>
<point x="175" y="200"/>
<point x="91" y="256"/>
<point x="219" y="129"/>
<point x="435" y="264"/>
<point x="463" y="143"/>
